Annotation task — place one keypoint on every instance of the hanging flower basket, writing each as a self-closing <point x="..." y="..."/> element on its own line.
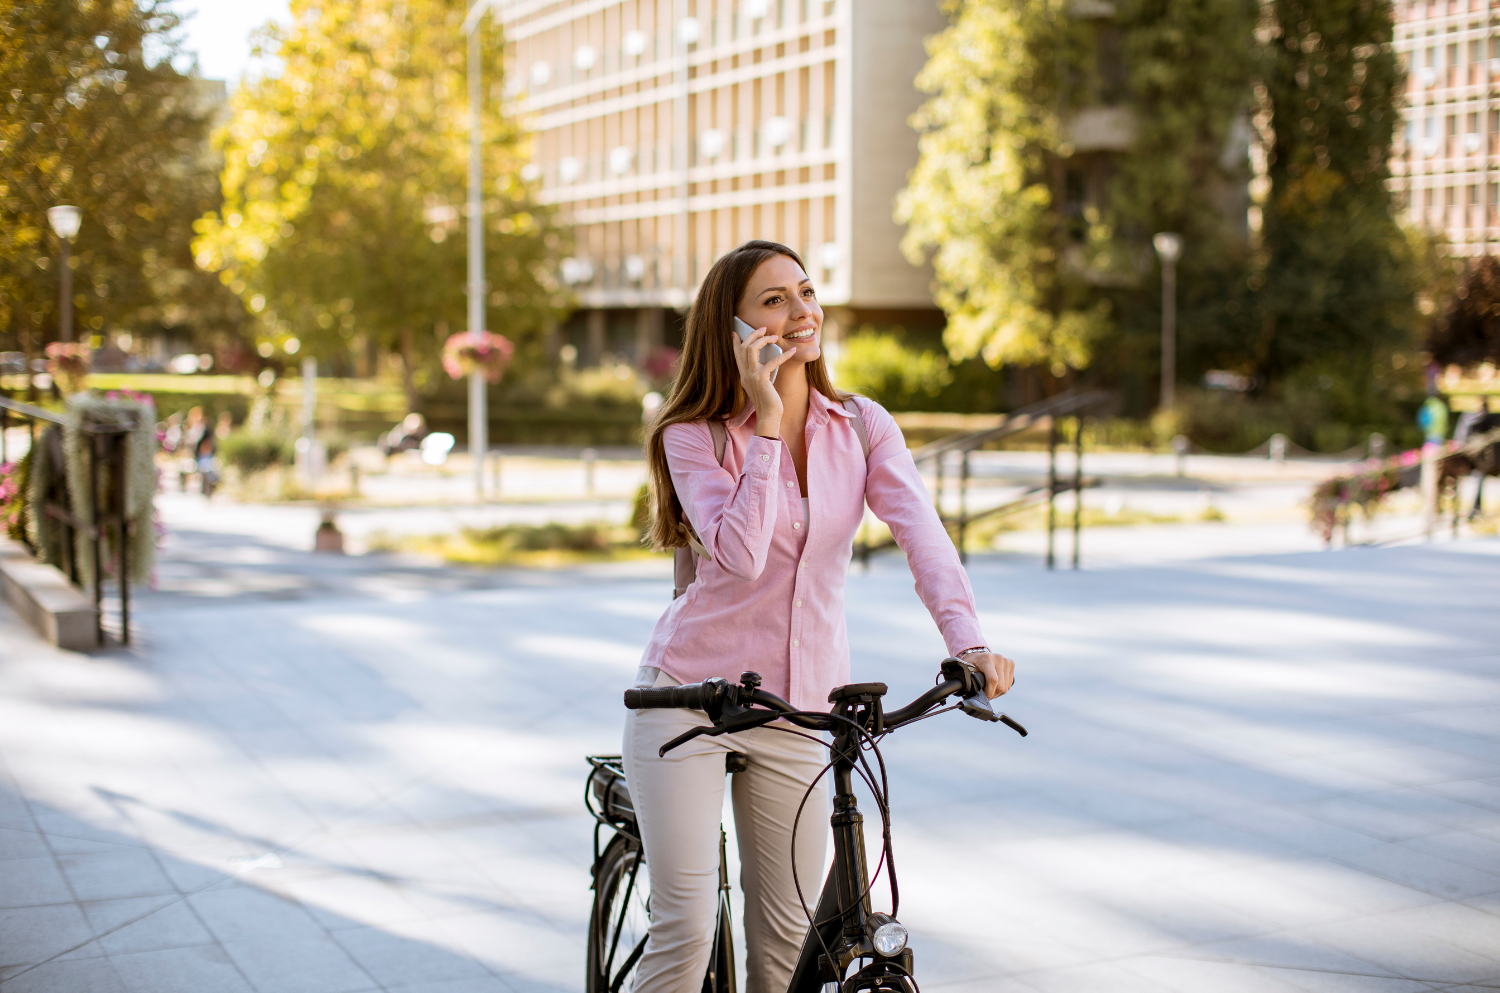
<point x="489" y="353"/>
<point x="68" y="362"/>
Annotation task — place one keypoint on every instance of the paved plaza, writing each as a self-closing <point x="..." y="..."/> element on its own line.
<point x="319" y="774"/>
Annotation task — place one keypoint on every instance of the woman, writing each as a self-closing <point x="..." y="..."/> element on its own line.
<point x="777" y="518"/>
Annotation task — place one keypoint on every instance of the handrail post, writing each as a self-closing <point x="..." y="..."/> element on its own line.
<point x="1077" y="485"/>
<point x="1051" y="487"/>
<point x="963" y="507"/>
<point x="95" y="534"/>
<point x="122" y="533"/>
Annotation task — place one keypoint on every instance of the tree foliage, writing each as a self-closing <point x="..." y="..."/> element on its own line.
<point x="980" y="198"/>
<point x="97" y="115"/>
<point x="1042" y="250"/>
<point x="344" y="185"/>
<point x="1331" y="279"/>
<point x="1468" y="333"/>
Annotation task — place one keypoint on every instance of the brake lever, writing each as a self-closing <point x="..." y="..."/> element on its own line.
<point x="746" y="721"/>
<point x="978" y="706"/>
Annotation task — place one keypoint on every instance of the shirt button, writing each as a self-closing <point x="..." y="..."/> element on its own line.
<point x="797" y="525"/>
<point x="799" y="603"/>
<point x="796" y="643"/>
<point x="765" y="458"/>
<point x="788" y="485"/>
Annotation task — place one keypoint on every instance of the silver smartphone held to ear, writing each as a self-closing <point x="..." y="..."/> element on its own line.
<point x="766" y="354"/>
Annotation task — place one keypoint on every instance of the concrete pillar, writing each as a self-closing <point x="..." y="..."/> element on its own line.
<point x="648" y="334"/>
<point x="594" y="347"/>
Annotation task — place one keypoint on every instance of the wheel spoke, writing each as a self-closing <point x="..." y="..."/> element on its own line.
<point x="630" y="962"/>
<point x="619" y="927"/>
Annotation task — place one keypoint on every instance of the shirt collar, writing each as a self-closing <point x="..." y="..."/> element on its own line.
<point x="818" y="402"/>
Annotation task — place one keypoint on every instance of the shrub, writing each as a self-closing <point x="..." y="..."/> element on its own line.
<point x="880" y="366"/>
<point x="255" y="451"/>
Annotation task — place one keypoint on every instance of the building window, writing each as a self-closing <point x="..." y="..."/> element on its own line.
<point x="1473" y="196"/>
<point x="1429" y="198"/>
<point x="1450" y="196"/>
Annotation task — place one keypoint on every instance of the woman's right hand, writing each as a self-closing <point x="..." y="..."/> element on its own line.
<point x="755" y="379"/>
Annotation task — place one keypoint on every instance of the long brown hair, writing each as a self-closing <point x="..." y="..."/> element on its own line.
<point x="708" y="378"/>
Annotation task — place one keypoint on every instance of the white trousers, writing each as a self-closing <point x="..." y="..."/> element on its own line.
<point x="679" y="800"/>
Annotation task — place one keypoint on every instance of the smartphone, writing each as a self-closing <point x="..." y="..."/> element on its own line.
<point x="766" y="354"/>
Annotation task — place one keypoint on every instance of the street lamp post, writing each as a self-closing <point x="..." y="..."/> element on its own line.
<point x="65" y="220"/>
<point x="1169" y="248"/>
<point x="479" y="422"/>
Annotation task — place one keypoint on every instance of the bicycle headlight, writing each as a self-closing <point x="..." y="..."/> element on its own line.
<point x="889" y="939"/>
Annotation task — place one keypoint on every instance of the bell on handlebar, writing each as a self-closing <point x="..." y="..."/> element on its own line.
<point x="750" y="680"/>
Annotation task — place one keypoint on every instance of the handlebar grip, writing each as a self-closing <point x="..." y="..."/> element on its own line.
<point x="663" y="697"/>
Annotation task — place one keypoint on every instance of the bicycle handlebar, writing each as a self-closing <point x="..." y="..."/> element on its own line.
<point x="689" y="696"/>
<point x="713" y="695"/>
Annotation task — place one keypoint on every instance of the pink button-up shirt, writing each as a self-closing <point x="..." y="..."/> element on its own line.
<point x="772" y="599"/>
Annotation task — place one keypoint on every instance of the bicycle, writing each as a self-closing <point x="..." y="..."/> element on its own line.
<point x="850" y="947"/>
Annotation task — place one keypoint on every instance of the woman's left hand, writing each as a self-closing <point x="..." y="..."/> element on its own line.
<point x="999" y="672"/>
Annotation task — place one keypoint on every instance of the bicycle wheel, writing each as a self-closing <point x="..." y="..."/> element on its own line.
<point x="619" y="920"/>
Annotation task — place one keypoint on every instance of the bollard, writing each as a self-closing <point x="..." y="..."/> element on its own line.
<point x="589" y="457"/>
<point x="1278" y="449"/>
<point x="328" y="537"/>
<point x="354" y="479"/>
<point x="1375" y="447"/>
<point x="1180" y="445"/>
<point x="495" y="475"/>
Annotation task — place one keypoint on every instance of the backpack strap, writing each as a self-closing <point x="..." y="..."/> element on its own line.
<point x="859" y="426"/>
<point x="685" y="560"/>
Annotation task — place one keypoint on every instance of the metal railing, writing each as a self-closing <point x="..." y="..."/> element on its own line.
<point x="107" y="445"/>
<point x="1074" y="403"/>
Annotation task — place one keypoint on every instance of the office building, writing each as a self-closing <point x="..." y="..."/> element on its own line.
<point x="1446" y="152"/>
<point x="666" y="132"/>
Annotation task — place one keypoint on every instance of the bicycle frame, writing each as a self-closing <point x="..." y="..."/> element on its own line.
<point x="843" y="929"/>
<point x="842" y="922"/>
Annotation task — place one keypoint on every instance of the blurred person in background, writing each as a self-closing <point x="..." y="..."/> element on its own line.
<point x="405" y="436"/>
<point x="1472" y="424"/>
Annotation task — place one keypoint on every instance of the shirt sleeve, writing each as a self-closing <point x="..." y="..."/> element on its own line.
<point x="895" y="492"/>
<point x="733" y="516"/>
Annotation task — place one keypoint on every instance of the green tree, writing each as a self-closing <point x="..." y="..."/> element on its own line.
<point x="1042" y="249"/>
<point x="1331" y="278"/>
<point x="344" y="185"/>
<point x="97" y="115"/>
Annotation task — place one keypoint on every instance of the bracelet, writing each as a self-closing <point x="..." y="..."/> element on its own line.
<point x="970" y="651"/>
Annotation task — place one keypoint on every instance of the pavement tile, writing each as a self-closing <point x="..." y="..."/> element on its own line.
<point x="1472" y="850"/>
<point x="1440" y="877"/>
<point x="32" y="883"/>
<point x="1468" y="928"/>
<point x="1371" y="819"/>
<point x="34" y="934"/>
<point x="408" y="958"/>
<point x="245" y="913"/>
<point x="1480" y="792"/>
<point x="1287" y="950"/>
<point x="1386" y="943"/>
<point x="115" y="875"/>
<point x="342" y="901"/>
<point x="202" y="969"/>
<point x="1315" y="981"/>
<point x="1091" y="978"/>
<point x="96" y="975"/>
<point x="310" y="965"/>
<point x="18" y="844"/>
<point x="146" y="924"/>
<point x="478" y="984"/>
<point x="1301" y="832"/>
<point x="1450" y="813"/>
<point x="1185" y="975"/>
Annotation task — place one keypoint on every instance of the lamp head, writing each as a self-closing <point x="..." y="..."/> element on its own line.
<point x="1168" y="246"/>
<point x="65" y="220"/>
